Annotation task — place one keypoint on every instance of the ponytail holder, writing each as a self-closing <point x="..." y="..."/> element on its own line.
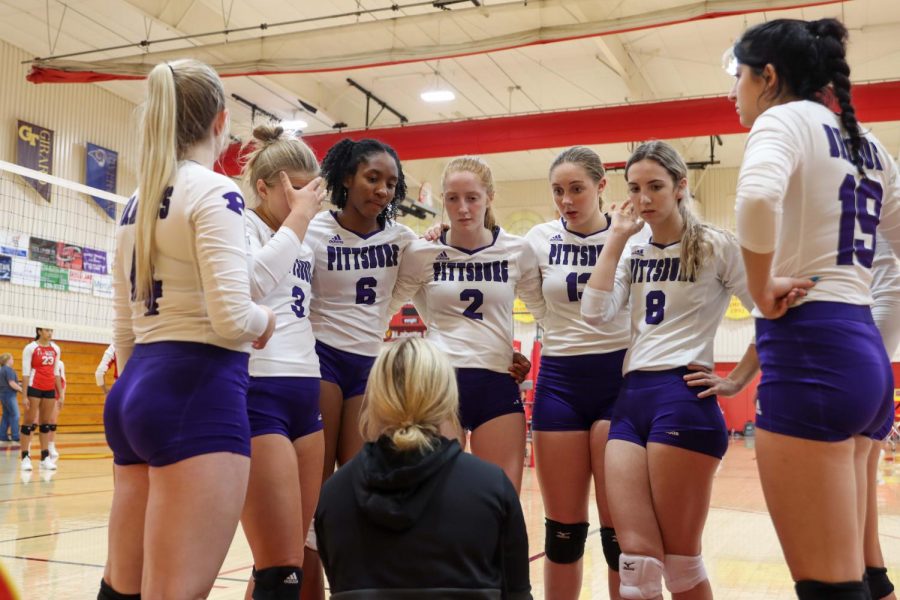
<point x="171" y="69"/>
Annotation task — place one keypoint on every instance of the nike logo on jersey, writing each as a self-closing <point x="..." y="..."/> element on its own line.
<point x="442" y="256"/>
<point x="556" y="238"/>
<point x="336" y="240"/>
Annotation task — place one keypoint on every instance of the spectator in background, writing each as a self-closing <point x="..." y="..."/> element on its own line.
<point x="9" y="389"/>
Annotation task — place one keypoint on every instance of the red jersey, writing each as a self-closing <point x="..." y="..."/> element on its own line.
<point x="40" y="365"/>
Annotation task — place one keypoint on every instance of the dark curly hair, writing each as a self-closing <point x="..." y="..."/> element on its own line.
<point x="343" y="159"/>
<point x="807" y="55"/>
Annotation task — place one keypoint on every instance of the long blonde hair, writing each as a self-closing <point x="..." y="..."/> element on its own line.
<point x="411" y="392"/>
<point x="183" y="99"/>
<point x="275" y="152"/>
<point x="695" y="247"/>
<point x="478" y="167"/>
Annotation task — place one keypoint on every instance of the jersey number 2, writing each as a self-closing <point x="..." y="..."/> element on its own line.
<point x="477" y="299"/>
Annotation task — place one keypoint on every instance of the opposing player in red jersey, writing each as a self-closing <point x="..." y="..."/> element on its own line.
<point x="40" y="370"/>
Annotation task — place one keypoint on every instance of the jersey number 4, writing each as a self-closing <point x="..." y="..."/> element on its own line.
<point x="855" y="202"/>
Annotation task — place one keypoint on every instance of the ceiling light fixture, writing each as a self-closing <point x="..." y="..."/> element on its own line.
<point x="295" y="125"/>
<point x="438" y="96"/>
<point x="439" y="92"/>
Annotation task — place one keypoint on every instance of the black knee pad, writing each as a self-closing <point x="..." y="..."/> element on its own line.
<point x="564" y="542"/>
<point x="45" y="427"/>
<point x="277" y="583"/>
<point x="52" y="426"/>
<point x="107" y="593"/>
<point x="27" y="429"/>
<point x="819" y="590"/>
<point x="611" y="550"/>
<point x="879" y="583"/>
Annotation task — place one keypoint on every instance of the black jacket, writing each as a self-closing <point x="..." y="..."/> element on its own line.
<point x="403" y="525"/>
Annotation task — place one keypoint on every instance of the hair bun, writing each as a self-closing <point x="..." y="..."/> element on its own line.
<point x="266" y="134"/>
<point x="831" y="28"/>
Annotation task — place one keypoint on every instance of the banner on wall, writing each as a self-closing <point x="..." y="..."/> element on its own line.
<point x="14" y="243"/>
<point x="68" y="256"/>
<point x="25" y="272"/>
<point x="736" y="310"/>
<point x="101" y="167"/>
<point x="54" y="278"/>
<point x="94" y="261"/>
<point x="42" y="250"/>
<point x="103" y="286"/>
<point x="80" y="282"/>
<point x="34" y="149"/>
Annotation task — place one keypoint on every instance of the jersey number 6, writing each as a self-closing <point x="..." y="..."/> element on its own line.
<point x="364" y="292"/>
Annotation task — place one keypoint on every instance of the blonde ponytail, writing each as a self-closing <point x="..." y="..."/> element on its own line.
<point x="158" y="159"/>
<point x="411" y="392"/>
<point x="695" y="246"/>
<point x="183" y="99"/>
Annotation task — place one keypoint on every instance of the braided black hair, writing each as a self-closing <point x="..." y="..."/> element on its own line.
<point x="343" y="159"/>
<point x="807" y="55"/>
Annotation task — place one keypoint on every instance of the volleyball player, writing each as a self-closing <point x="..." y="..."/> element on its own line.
<point x="357" y="251"/>
<point x="464" y="287"/>
<point x="811" y="192"/>
<point x="664" y="443"/>
<point x="580" y="374"/>
<point x="283" y="399"/>
<point x="40" y="370"/>
<point x="177" y="418"/>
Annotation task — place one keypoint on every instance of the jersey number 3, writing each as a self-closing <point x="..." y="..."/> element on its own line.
<point x="855" y="201"/>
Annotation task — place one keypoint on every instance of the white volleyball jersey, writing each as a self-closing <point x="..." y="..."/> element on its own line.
<point x="673" y="320"/>
<point x="801" y="197"/>
<point x="886" y="294"/>
<point x="281" y="269"/>
<point x="202" y="288"/>
<point x="355" y="276"/>
<point x="566" y="260"/>
<point x="466" y="297"/>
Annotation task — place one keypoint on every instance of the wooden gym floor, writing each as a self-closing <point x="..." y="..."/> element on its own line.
<point x="53" y="529"/>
